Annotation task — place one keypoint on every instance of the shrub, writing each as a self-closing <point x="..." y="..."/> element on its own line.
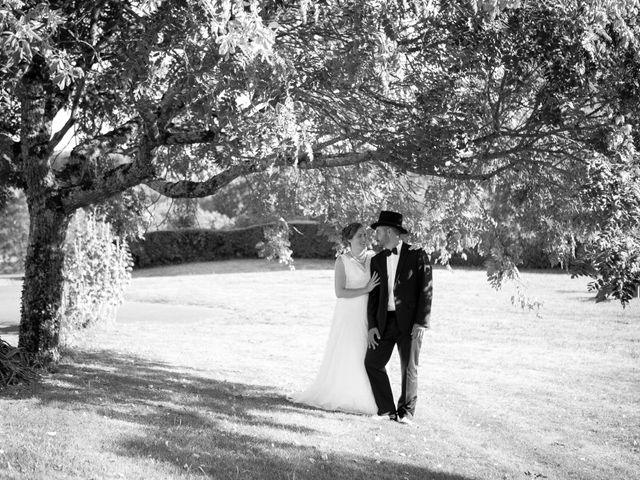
<point x="97" y="269"/>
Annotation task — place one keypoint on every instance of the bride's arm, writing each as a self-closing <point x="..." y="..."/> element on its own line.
<point x="341" y="282"/>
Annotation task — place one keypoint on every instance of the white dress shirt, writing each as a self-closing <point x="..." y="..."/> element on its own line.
<point x="392" y="267"/>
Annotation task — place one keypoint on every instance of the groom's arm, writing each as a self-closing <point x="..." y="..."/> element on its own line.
<point x="374" y="298"/>
<point x="425" y="294"/>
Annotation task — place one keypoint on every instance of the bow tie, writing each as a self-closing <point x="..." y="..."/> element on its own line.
<point x="393" y="251"/>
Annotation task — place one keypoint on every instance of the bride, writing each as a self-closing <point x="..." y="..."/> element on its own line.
<point x="342" y="383"/>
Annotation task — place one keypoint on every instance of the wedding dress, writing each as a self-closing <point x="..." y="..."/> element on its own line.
<point x="342" y="383"/>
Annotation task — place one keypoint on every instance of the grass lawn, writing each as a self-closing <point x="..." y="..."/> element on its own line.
<point x="191" y="382"/>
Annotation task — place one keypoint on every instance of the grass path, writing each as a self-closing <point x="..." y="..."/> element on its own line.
<point x="190" y="382"/>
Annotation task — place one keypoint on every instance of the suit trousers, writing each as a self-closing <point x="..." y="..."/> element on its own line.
<point x="376" y="361"/>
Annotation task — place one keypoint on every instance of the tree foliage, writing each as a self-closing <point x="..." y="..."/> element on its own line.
<point x="519" y="100"/>
<point x="506" y="106"/>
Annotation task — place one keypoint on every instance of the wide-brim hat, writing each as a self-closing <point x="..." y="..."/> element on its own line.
<point x="390" y="219"/>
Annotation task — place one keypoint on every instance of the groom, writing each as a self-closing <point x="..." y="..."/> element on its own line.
<point x="398" y="313"/>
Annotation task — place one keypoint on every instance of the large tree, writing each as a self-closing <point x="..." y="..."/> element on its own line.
<point x="504" y="98"/>
<point x="524" y="112"/>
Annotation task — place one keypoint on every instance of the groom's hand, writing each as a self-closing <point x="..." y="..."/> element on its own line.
<point x="373" y="334"/>
<point x="417" y="331"/>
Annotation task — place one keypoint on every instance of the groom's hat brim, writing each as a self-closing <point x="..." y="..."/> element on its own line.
<point x="390" y="219"/>
<point x="400" y="228"/>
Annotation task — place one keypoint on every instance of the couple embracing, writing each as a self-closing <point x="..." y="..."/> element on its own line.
<point x="384" y="300"/>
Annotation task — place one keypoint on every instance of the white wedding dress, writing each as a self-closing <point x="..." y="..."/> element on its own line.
<point x="342" y="383"/>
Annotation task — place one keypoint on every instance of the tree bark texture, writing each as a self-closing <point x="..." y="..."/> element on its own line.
<point x="43" y="284"/>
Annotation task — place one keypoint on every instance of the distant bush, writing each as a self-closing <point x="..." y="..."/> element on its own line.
<point x="201" y="245"/>
<point x="467" y="258"/>
<point x="97" y="269"/>
<point x="533" y="257"/>
<point x="309" y="240"/>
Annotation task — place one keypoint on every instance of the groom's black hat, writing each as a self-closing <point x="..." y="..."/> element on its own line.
<point x="390" y="219"/>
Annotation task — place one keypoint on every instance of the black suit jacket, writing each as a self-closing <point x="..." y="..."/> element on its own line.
<point x="413" y="291"/>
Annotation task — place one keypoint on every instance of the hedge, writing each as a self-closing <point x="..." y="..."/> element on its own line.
<point x="533" y="257"/>
<point x="164" y="247"/>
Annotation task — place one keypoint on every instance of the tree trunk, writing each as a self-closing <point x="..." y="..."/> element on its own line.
<point x="43" y="284"/>
<point x="42" y="289"/>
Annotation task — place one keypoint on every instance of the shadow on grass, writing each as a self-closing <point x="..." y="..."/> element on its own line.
<point x="208" y="427"/>
<point x="18" y="277"/>
<point x="221" y="267"/>
<point x="11" y="329"/>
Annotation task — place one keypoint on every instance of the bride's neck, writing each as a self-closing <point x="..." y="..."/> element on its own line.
<point x="357" y="252"/>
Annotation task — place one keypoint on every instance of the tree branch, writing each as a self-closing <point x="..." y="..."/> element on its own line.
<point x="187" y="138"/>
<point x="194" y="189"/>
<point x="339" y="159"/>
<point x="101" y="186"/>
<point x="113" y="182"/>
<point x="191" y="189"/>
<point x="59" y="135"/>
<point x="80" y="167"/>
<point x="388" y="101"/>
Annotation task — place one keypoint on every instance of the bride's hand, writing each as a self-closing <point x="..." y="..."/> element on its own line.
<point x="374" y="281"/>
<point x="415" y="247"/>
